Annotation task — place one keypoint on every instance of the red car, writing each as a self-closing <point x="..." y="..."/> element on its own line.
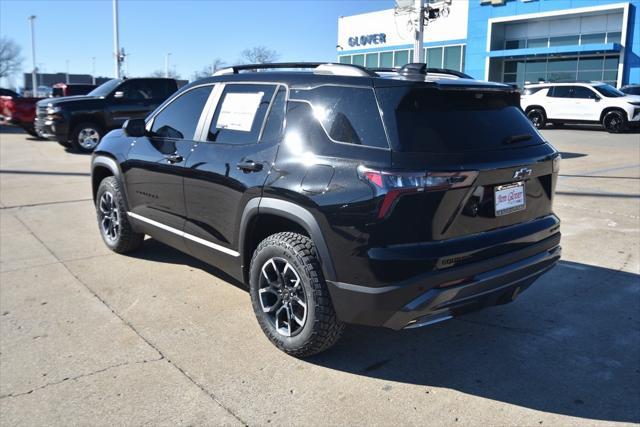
<point x="19" y="111"/>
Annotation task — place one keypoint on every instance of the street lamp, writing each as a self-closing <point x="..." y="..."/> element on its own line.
<point x="116" y="42"/>
<point x="166" y="64"/>
<point x="67" y="77"/>
<point x="34" y="78"/>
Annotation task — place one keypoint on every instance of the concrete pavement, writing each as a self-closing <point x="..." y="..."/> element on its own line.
<point x="91" y="337"/>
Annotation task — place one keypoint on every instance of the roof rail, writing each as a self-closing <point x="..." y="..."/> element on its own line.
<point x="319" y="68"/>
<point x="421" y="68"/>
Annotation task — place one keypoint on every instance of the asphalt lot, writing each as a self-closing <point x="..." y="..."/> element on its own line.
<point x="91" y="337"/>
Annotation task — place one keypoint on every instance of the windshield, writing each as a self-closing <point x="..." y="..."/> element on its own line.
<point x="105" y="88"/>
<point x="608" y="91"/>
<point x="441" y="121"/>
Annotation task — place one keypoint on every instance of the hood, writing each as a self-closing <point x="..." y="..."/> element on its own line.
<point x="632" y="98"/>
<point x="66" y="100"/>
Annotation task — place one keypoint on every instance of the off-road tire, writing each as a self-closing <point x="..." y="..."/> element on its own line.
<point x="127" y="239"/>
<point x="322" y="328"/>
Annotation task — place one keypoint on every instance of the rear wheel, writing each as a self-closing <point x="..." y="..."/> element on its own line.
<point x="290" y="297"/>
<point x="85" y="137"/>
<point x="615" y="121"/>
<point x="537" y="117"/>
<point x="115" y="228"/>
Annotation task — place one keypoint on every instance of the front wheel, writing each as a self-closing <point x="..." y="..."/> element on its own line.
<point x="85" y="137"/>
<point x="115" y="228"/>
<point x="290" y="297"/>
<point x="614" y="122"/>
<point x="537" y="117"/>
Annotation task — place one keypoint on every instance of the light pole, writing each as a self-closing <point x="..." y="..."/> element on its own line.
<point x="418" y="51"/>
<point x="93" y="70"/>
<point x="34" y="78"/>
<point x="67" y="76"/>
<point x="166" y="64"/>
<point x="116" y="42"/>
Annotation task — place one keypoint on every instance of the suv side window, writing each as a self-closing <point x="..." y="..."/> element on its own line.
<point x="179" y="119"/>
<point x="141" y="90"/>
<point x="583" y="93"/>
<point x="240" y="113"/>
<point x="347" y="114"/>
<point x="560" y="92"/>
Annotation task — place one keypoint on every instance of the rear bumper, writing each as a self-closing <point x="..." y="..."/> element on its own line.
<point x="442" y="294"/>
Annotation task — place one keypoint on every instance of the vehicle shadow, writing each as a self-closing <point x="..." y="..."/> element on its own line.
<point x="570" y="345"/>
<point x="153" y="250"/>
<point x="4" y="128"/>
<point x="587" y="127"/>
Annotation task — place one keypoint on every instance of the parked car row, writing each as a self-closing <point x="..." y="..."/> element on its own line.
<point x="21" y="111"/>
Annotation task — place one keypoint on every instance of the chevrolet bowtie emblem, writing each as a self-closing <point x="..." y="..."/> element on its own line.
<point x="522" y="173"/>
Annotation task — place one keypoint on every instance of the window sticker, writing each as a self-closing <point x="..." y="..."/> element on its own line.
<point x="238" y="111"/>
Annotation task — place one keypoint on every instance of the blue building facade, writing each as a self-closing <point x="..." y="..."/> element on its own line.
<point x="511" y="41"/>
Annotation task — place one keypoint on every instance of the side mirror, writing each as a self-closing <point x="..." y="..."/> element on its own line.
<point x="135" y="127"/>
<point x="597" y="99"/>
<point x="118" y="94"/>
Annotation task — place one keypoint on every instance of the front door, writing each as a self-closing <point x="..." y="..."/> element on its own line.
<point x="229" y="169"/>
<point x="155" y="167"/>
<point x="585" y="103"/>
<point x="134" y="99"/>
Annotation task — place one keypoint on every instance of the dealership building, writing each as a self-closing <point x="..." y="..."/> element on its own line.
<point x="510" y="41"/>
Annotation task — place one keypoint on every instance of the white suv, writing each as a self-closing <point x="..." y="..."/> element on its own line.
<point x="560" y="103"/>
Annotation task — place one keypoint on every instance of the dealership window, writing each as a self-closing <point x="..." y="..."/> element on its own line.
<point x="451" y="57"/>
<point x="371" y="60"/>
<point x="598" y="68"/>
<point x="565" y="40"/>
<point x="401" y="58"/>
<point x="357" y="60"/>
<point x="386" y="59"/>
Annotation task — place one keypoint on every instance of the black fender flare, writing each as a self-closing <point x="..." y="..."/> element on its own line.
<point x="101" y="160"/>
<point x="294" y="213"/>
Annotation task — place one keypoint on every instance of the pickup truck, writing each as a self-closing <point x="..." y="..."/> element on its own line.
<point x="79" y="122"/>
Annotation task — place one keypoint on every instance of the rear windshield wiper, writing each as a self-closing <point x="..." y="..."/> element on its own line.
<point x="517" y="138"/>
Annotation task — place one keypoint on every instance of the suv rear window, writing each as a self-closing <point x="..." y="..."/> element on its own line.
<point x="441" y="121"/>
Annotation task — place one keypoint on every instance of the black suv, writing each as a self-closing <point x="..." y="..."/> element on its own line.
<point x="395" y="198"/>
<point x="80" y="121"/>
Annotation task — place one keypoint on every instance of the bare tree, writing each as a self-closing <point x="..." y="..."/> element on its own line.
<point x="160" y="73"/>
<point x="259" y="55"/>
<point x="10" y="59"/>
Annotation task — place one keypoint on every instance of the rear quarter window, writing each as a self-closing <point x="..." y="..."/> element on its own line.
<point x="348" y="115"/>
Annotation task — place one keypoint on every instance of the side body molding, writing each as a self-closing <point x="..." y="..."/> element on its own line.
<point x="292" y="212"/>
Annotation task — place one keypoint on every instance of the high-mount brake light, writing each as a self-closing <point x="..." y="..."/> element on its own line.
<point x="393" y="184"/>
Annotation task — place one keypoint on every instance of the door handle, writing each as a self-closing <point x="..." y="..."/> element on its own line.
<point x="249" y="166"/>
<point x="174" y="158"/>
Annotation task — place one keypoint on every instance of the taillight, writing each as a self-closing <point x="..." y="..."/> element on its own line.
<point x="394" y="184"/>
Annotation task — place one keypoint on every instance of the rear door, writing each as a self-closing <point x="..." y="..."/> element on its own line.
<point x="560" y="104"/>
<point x="229" y="167"/>
<point x="155" y="166"/>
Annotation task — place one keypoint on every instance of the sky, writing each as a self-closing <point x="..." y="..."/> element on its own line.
<point x="194" y="32"/>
